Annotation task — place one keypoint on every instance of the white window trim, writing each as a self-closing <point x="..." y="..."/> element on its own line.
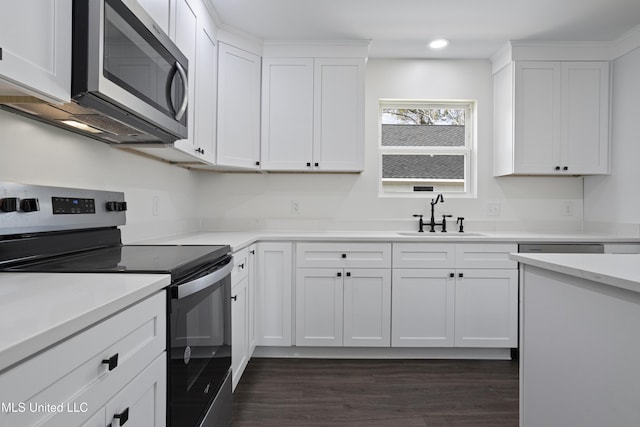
<point x="470" y="150"/>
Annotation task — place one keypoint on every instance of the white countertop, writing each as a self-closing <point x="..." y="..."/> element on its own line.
<point x="41" y="309"/>
<point x="619" y="270"/>
<point x="240" y="239"/>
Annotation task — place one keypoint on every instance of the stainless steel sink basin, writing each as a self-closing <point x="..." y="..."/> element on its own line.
<point x="439" y="234"/>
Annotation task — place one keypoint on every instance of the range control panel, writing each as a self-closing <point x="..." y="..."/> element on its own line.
<point x="37" y="208"/>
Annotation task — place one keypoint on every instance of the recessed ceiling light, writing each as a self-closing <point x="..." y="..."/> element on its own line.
<point x="438" y="43"/>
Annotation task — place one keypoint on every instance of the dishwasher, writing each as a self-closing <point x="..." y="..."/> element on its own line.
<point x="561" y="248"/>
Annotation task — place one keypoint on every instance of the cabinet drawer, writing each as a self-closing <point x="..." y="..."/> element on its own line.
<point x="72" y="373"/>
<point x="240" y="266"/>
<point x="343" y="255"/>
<point x="485" y="255"/>
<point x="424" y="255"/>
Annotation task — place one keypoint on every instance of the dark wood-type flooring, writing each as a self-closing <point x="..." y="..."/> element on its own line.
<point x="377" y="393"/>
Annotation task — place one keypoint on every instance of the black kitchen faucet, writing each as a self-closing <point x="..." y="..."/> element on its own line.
<point x="432" y="222"/>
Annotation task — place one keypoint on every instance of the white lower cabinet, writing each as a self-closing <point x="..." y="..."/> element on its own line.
<point x="273" y="310"/>
<point x="486" y="308"/>
<point x="338" y="305"/>
<point x="423" y="308"/>
<point x="117" y="367"/>
<point x="453" y="306"/>
<point x="240" y="310"/>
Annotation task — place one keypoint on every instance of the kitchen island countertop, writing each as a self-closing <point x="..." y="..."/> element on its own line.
<point x="38" y="310"/>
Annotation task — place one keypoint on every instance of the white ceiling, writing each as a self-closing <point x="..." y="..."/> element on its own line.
<point x="401" y="28"/>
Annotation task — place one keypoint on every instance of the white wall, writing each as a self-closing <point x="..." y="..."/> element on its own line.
<point x="34" y="153"/>
<point x="614" y="201"/>
<point x="335" y="200"/>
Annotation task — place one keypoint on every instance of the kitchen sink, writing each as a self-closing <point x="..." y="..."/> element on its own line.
<point x="439" y="234"/>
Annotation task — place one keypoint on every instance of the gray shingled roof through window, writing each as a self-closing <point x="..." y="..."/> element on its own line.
<point x="423" y="166"/>
<point x="422" y="136"/>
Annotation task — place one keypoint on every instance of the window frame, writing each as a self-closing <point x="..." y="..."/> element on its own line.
<point x="469" y="150"/>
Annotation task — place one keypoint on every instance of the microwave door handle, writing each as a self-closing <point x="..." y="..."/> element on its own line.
<point x="204" y="282"/>
<point x="177" y="68"/>
<point x="185" y="91"/>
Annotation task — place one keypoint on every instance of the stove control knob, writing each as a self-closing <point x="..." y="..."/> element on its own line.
<point x="9" y="204"/>
<point x="29" y="205"/>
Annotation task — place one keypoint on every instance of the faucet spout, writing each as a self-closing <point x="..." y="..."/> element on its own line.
<point x="432" y="222"/>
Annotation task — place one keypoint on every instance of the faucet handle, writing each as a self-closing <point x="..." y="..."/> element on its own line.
<point x="459" y="221"/>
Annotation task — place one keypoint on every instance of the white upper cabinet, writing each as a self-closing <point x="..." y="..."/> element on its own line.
<point x="313" y="114"/>
<point x="238" y="142"/>
<point x="35" y="49"/>
<point x="159" y="10"/>
<point x="551" y="118"/>
<point x="287" y="113"/>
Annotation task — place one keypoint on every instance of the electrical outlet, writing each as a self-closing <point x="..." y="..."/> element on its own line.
<point x="493" y="209"/>
<point x="295" y="207"/>
<point x="155" y="206"/>
<point x="567" y="208"/>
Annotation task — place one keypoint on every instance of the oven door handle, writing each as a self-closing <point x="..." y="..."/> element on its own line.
<point x="204" y="282"/>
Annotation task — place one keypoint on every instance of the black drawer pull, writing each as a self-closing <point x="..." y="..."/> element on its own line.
<point x="344" y="255"/>
<point x="339" y="274"/>
<point x="112" y="362"/>
<point x="348" y="274"/>
<point x="235" y="297"/>
<point x="460" y="275"/>
<point x="123" y="417"/>
<point x="451" y="275"/>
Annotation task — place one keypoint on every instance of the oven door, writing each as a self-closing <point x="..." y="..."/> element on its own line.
<point x="199" y="343"/>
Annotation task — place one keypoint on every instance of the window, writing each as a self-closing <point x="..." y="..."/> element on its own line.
<point x="426" y="147"/>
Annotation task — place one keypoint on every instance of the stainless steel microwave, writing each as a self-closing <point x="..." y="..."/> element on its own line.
<point x="129" y="81"/>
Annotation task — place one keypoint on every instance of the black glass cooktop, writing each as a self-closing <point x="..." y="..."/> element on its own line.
<point x="177" y="260"/>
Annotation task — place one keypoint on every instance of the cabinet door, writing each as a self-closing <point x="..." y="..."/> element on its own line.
<point x="239" y="336"/>
<point x="273" y="294"/>
<point x="585" y="112"/>
<point x="287" y="114"/>
<point x="537" y="117"/>
<point x="319" y="301"/>
<point x="367" y="307"/>
<point x="238" y="142"/>
<point x="186" y="33"/>
<point x="206" y="90"/>
<point x="486" y="303"/>
<point x="143" y="399"/>
<point x="422" y="308"/>
<point x="339" y="114"/>
<point x="252" y="298"/>
<point x="35" y="49"/>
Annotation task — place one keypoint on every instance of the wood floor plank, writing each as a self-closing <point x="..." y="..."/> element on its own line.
<point x="354" y="393"/>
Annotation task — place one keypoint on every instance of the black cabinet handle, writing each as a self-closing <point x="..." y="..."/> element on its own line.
<point x="348" y="274"/>
<point x="316" y="164"/>
<point x="344" y="255"/>
<point x="241" y="266"/>
<point x="235" y="297"/>
<point x="257" y="163"/>
<point x="252" y="252"/>
<point x="339" y="274"/>
<point x="308" y="164"/>
<point x="452" y="275"/>
<point x="112" y="362"/>
<point x="557" y="168"/>
<point x="460" y="275"/>
<point x="565" y="168"/>
<point x="122" y="417"/>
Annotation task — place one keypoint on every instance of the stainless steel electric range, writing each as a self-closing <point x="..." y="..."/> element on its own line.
<point x="55" y="230"/>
